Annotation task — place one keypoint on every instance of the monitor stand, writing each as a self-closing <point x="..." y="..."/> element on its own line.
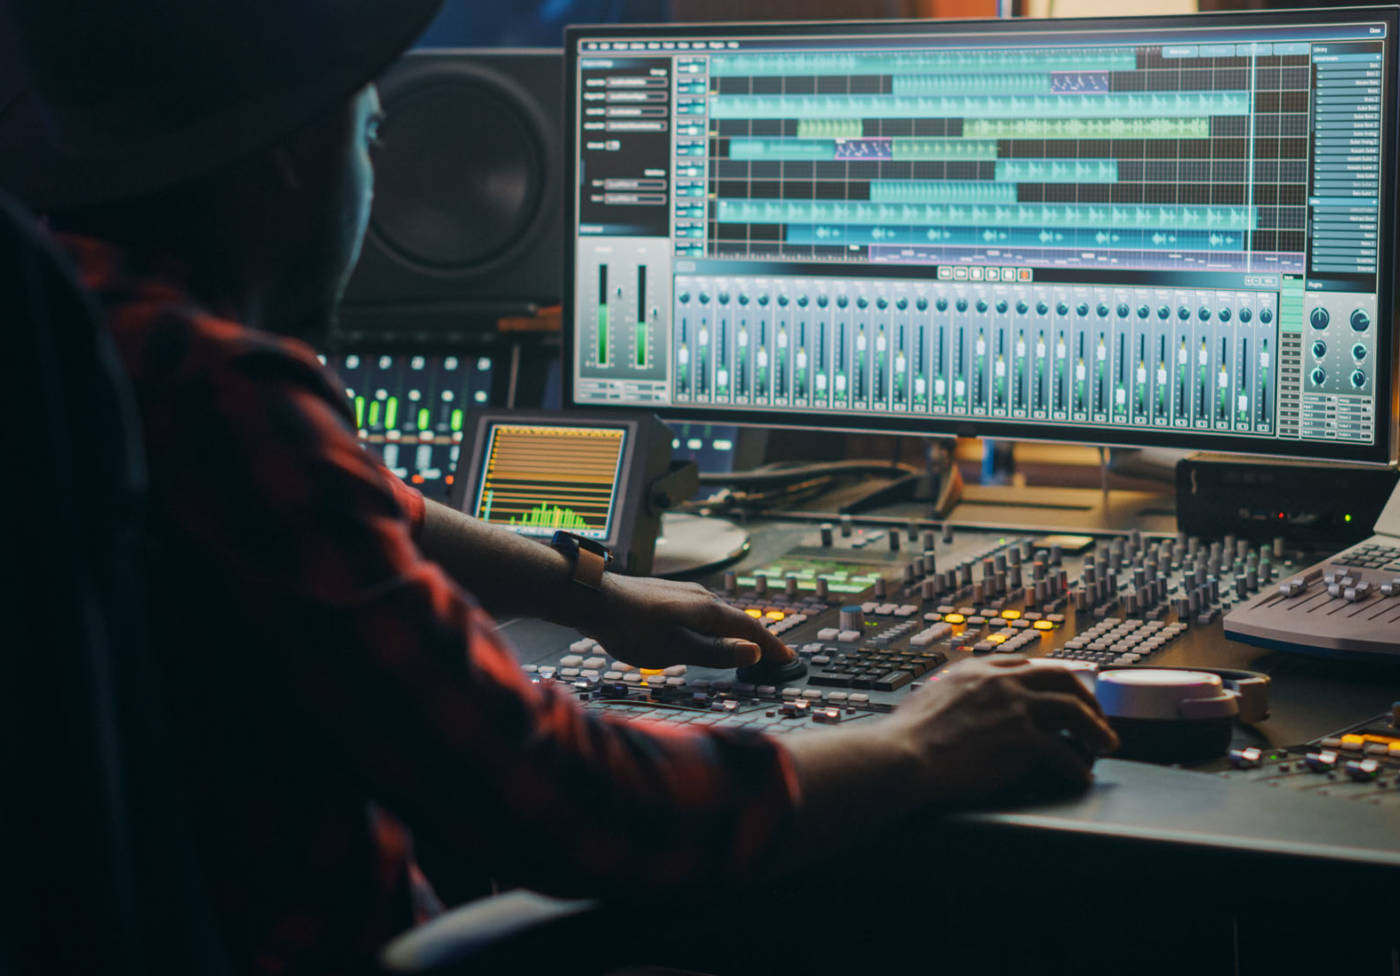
<point x="690" y="544"/>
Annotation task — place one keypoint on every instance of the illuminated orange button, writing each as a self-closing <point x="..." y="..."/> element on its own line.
<point x="650" y="672"/>
<point x="1356" y="742"/>
<point x="775" y="615"/>
<point x="1011" y="615"/>
<point x="954" y="618"/>
<point x="1043" y="625"/>
<point x="1395" y="750"/>
<point x="996" y="638"/>
<point x="755" y="613"/>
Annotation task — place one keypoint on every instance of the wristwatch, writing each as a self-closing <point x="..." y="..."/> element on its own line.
<point x="587" y="557"/>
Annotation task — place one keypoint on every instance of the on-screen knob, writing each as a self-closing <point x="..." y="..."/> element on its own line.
<point x="902" y="304"/>
<point x="823" y="301"/>
<point x="842" y="301"/>
<point x="981" y="305"/>
<point x="1163" y="312"/>
<point x="1319" y="376"/>
<point x="1002" y="307"/>
<point x="922" y="304"/>
<point x="1319" y="349"/>
<point x="1204" y="313"/>
<point x="782" y="301"/>
<point x="1360" y="321"/>
<point x="862" y="302"/>
<point x="1101" y="310"/>
<point x="684" y="297"/>
<point x="1319" y="318"/>
<point x="762" y="299"/>
<point x="1358" y="378"/>
<point x="1022" y="308"/>
<point x="1223" y="315"/>
<point x="962" y="305"/>
<point x="1183" y="313"/>
<point x="743" y="299"/>
<point x="1062" y="309"/>
<point x="1143" y="311"/>
<point x="801" y="301"/>
<point x="942" y="304"/>
<point x="1082" y="309"/>
<point x="1042" y="308"/>
<point x="1266" y="315"/>
<point x="724" y="298"/>
<point x="882" y="304"/>
<point x="1246" y="314"/>
<point x="1358" y="353"/>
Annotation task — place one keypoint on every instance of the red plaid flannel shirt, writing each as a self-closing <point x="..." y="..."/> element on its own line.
<point x="330" y="684"/>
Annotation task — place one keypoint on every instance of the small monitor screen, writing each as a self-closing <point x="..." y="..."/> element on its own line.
<point x="1145" y="231"/>
<point x="538" y="478"/>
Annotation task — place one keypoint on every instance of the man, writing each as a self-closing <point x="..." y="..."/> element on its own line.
<point x="208" y="167"/>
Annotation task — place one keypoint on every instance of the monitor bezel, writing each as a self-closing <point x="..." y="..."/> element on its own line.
<point x="1383" y="452"/>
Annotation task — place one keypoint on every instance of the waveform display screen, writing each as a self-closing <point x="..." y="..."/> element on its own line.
<point x="541" y="478"/>
<point x="411" y="410"/>
<point x="913" y="226"/>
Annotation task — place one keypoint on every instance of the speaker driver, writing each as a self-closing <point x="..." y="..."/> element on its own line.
<point x="466" y="225"/>
<point x="460" y="175"/>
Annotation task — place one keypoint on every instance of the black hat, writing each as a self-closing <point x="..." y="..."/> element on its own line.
<point x="110" y="99"/>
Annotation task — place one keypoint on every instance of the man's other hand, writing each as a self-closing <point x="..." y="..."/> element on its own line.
<point x="654" y="623"/>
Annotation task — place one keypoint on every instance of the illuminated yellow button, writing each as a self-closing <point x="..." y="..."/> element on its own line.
<point x="996" y="638"/>
<point x="1354" y="742"/>
<point x="1395" y="750"/>
<point x="954" y="618"/>
<point x="754" y="613"/>
<point x="650" y="672"/>
<point x="1011" y="615"/>
<point x="1043" y="625"/>
<point x="775" y="615"/>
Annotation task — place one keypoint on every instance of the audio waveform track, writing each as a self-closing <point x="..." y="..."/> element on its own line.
<point x="541" y="478"/>
<point x="1154" y="156"/>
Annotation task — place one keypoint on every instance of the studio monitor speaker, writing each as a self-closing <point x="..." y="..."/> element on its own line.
<point x="466" y="224"/>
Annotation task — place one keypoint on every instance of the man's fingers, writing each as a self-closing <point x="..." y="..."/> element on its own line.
<point x="1053" y="711"/>
<point x="721" y="620"/>
<point x="1048" y="677"/>
<point x="717" y="652"/>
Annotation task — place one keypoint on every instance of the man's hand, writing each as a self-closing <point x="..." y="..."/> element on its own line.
<point x="654" y="623"/>
<point x="985" y="726"/>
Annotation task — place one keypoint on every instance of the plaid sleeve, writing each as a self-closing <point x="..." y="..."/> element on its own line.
<point x="410" y="499"/>
<point x="412" y="685"/>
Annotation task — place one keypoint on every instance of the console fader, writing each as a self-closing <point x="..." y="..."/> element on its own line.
<point x="873" y="611"/>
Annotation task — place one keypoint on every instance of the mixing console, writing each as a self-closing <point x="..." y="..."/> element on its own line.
<point x="874" y="612"/>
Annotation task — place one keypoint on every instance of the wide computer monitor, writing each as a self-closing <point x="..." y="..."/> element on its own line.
<point x="1143" y="231"/>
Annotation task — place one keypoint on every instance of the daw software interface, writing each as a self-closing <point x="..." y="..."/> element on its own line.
<point x="1137" y="231"/>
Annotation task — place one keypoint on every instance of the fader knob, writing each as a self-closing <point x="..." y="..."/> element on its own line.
<point x="947" y="533"/>
<point x="852" y="618"/>
<point x="823" y="590"/>
<point x="845" y="526"/>
<point x="731" y="581"/>
<point x="790" y="585"/>
<point x="826" y="529"/>
<point x="894" y="540"/>
<point x="760" y="584"/>
<point x="880" y="589"/>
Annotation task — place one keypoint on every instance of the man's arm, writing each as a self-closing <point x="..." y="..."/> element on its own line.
<point x="645" y="622"/>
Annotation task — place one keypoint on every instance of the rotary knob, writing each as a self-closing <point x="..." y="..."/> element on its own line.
<point x="1319" y="318"/>
<point x="1358" y="353"/>
<point x="1360" y="321"/>
<point x="1319" y="349"/>
<point x="1318" y="376"/>
<point x="1358" y="378"/>
<point x="1246" y="315"/>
